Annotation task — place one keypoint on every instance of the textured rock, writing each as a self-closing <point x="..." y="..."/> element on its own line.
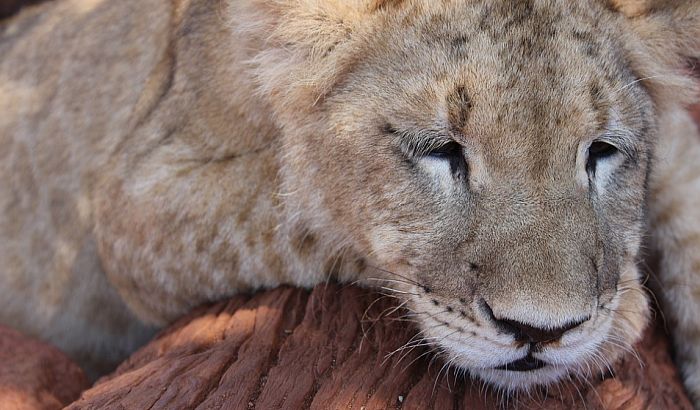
<point x="289" y="348"/>
<point x="34" y="375"/>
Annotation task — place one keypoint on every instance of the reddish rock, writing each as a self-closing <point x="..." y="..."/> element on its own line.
<point x="36" y="376"/>
<point x="289" y="348"/>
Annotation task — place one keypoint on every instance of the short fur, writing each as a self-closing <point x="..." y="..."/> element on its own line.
<point x="160" y="154"/>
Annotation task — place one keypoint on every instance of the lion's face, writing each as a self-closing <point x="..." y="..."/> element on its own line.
<point x="494" y="160"/>
<point x="489" y="160"/>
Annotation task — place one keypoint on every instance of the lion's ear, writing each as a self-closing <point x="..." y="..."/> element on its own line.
<point x="664" y="41"/>
<point x="302" y="46"/>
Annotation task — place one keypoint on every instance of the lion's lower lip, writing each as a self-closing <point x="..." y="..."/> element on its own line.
<point x="525" y="364"/>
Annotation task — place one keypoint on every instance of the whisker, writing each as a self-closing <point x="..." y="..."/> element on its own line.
<point x="420" y="285"/>
<point x="402" y="282"/>
<point x="398" y="291"/>
<point x="630" y="84"/>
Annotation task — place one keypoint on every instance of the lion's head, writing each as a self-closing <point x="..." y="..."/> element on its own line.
<point x="488" y="158"/>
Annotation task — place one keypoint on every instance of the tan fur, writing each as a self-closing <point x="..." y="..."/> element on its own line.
<point x="675" y="215"/>
<point x="161" y="154"/>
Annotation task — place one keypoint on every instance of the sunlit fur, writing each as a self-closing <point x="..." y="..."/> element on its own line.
<point x="161" y="154"/>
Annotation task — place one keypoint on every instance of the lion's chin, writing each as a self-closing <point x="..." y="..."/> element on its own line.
<point x="525" y="369"/>
<point x="529" y="373"/>
<point x="523" y="381"/>
<point x="546" y="370"/>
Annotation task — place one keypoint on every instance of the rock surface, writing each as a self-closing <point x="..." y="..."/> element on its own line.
<point x="36" y="376"/>
<point x="327" y="349"/>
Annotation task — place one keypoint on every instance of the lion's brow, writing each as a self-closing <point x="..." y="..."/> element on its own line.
<point x="624" y="139"/>
<point x="418" y="142"/>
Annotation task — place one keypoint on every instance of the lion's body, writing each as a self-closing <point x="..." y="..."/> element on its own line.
<point x="160" y="154"/>
<point x="55" y="140"/>
<point x="170" y="88"/>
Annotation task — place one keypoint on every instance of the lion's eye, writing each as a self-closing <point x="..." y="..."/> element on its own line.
<point x="446" y="151"/>
<point x="453" y="153"/>
<point x="598" y="151"/>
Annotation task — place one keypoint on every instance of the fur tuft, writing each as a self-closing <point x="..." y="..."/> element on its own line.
<point x="664" y="45"/>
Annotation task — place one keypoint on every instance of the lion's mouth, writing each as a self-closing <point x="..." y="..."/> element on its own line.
<point x="526" y="364"/>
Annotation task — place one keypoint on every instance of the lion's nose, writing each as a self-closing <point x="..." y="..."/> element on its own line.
<point x="529" y="334"/>
<point x="525" y="333"/>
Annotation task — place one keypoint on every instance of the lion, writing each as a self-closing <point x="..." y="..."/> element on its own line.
<point x="505" y="168"/>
